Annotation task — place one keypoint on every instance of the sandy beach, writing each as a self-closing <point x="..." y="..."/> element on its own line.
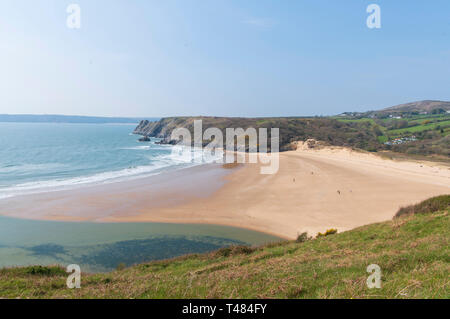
<point x="314" y="190"/>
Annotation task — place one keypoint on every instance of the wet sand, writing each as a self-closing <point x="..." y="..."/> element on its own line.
<point x="101" y="202"/>
<point x="313" y="190"/>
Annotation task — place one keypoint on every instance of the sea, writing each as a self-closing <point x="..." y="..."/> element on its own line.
<point x="43" y="157"/>
<point x="47" y="157"/>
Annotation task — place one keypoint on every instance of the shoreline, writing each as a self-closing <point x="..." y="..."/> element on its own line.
<point x="156" y="191"/>
<point x="314" y="190"/>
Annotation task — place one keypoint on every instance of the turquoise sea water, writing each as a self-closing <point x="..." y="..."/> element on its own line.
<point x="45" y="157"/>
<point x="36" y="157"/>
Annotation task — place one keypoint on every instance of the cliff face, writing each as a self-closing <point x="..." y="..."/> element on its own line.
<point x="164" y="127"/>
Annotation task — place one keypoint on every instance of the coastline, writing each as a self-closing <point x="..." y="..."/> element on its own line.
<point x="314" y="190"/>
<point x="94" y="202"/>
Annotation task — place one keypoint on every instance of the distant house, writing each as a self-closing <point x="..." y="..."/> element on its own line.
<point x="401" y="140"/>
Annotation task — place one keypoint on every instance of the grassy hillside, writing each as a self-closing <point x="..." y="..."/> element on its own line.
<point x="419" y="106"/>
<point x="417" y="128"/>
<point x="412" y="251"/>
<point x="411" y="134"/>
<point x="328" y="130"/>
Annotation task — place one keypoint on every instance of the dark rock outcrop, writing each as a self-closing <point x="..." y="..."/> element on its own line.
<point x="144" y="139"/>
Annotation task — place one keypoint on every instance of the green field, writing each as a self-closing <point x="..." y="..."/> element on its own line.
<point x="412" y="251"/>
<point x="417" y="123"/>
<point x="420" y="127"/>
<point x="371" y="121"/>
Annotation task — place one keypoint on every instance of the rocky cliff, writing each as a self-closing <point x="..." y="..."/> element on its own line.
<point x="164" y="127"/>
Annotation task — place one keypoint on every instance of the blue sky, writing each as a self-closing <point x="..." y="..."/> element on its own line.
<point x="221" y="57"/>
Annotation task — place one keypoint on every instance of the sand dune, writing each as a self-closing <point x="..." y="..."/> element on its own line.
<point x="313" y="190"/>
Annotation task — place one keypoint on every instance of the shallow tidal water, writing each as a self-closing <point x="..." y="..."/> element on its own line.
<point x="101" y="247"/>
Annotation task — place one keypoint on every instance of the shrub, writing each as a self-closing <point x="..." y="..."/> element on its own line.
<point x="234" y="250"/>
<point x="428" y="206"/>
<point x="331" y="231"/>
<point x="302" y="237"/>
<point x="44" y="271"/>
<point x="121" y="266"/>
<point x="275" y="244"/>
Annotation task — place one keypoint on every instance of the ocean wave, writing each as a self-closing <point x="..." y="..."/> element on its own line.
<point x="4" y="196"/>
<point x="182" y="154"/>
<point x="159" y="164"/>
<point x="182" y="158"/>
<point x="64" y="184"/>
<point x="137" y="148"/>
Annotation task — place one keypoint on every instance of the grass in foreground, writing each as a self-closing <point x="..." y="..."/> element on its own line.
<point x="412" y="252"/>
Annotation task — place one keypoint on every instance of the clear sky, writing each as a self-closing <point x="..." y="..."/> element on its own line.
<point x="221" y="57"/>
